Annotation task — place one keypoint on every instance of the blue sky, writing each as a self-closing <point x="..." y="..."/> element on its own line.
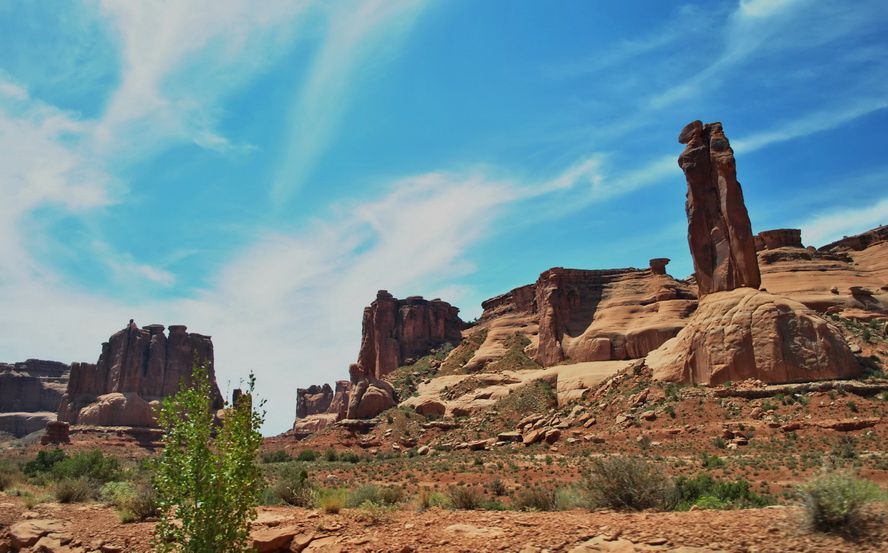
<point x="258" y="170"/>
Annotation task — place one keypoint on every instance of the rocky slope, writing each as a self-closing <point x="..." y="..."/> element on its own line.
<point x="137" y="368"/>
<point x="29" y="394"/>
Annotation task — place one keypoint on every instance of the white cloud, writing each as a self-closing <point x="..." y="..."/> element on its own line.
<point x="830" y="226"/>
<point x="358" y="33"/>
<point x="809" y="124"/>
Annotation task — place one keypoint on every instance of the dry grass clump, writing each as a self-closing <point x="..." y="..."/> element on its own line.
<point x="628" y="484"/>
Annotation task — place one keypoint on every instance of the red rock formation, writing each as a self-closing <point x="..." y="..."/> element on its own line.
<point x="599" y="315"/>
<point x="141" y="365"/>
<point x="29" y="394"/>
<point x="521" y="300"/>
<point x="395" y="331"/>
<point x="719" y="232"/>
<point x="778" y="238"/>
<point x="742" y="333"/>
<point x="313" y="400"/>
<point x="859" y="242"/>
<point x="749" y="334"/>
<point x="339" y="404"/>
<point x="658" y="265"/>
<point x="57" y="432"/>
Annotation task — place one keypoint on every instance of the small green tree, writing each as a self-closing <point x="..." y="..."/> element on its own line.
<point x="208" y="479"/>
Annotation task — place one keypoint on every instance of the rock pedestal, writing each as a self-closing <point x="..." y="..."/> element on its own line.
<point x="719" y="232"/>
<point x="57" y="432"/>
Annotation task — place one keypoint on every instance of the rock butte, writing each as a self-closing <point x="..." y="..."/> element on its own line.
<point x="137" y="368"/>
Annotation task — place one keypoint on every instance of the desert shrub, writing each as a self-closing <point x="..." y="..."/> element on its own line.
<point x="207" y="478"/>
<point x="349" y="457"/>
<point x="514" y="358"/>
<point x="835" y="502"/>
<point x="331" y="501"/>
<point x="628" y="483"/>
<point x="706" y="492"/>
<point x="384" y="496"/>
<point x="9" y="474"/>
<point x="73" y="490"/>
<point x="134" y="501"/>
<point x="428" y="499"/>
<point x="92" y="465"/>
<point x="331" y="456"/>
<point x="294" y="488"/>
<point x="712" y="461"/>
<point x="464" y="497"/>
<point x="277" y="456"/>
<point x="307" y="456"/>
<point x="498" y="488"/>
<point x="535" y="499"/>
<point x="44" y="462"/>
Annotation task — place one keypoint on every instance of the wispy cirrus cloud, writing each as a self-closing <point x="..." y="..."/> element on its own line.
<point x="358" y="35"/>
<point x="832" y="225"/>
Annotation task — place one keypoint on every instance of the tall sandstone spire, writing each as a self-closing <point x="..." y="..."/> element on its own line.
<point x="719" y="232"/>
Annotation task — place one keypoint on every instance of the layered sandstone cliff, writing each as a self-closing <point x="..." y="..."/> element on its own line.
<point x="30" y="392"/>
<point x="137" y="367"/>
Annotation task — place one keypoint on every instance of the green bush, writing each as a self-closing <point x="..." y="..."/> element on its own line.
<point x="705" y="492"/>
<point x="535" y="499"/>
<point x="277" y="456"/>
<point x="295" y="488"/>
<point x="207" y="478"/>
<point x="349" y="457"/>
<point x="428" y="499"/>
<point x="382" y="496"/>
<point x="331" y="501"/>
<point x="92" y="465"/>
<point x="44" y="462"/>
<point x="628" y="483"/>
<point x="463" y="497"/>
<point x="73" y="490"/>
<point x="307" y="455"/>
<point x="9" y="474"/>
<point x="498" y="488"/>
<point x="330" y="456"/>
<point x="134" y="501"/>
<point x="836" y="502"/>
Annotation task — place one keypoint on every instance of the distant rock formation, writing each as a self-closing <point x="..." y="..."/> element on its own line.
<point x="313" y="400"/>
<point x="137" y="367"/>
<point x="860" y="241"/>
<point x="395" y="331"/>
<point x="737" y="331"/>
<point x="719" y="231"/>
<point x="778" y="238"/>
<point x="30" y="392"/>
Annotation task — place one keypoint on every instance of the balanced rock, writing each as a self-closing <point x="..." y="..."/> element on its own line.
<point x="719" y="231"/>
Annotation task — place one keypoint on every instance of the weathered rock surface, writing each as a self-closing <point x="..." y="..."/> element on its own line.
<point x="137" y="366"/>
<point x="588" y="315"/>
<point x="30" y="392"/>
<point x="370" y="397"/>
<point x="778" y="238"/>
<point x="719" y="231"/>
<point x="395" y="331"/>
<point x="313" y="400"/>
<point x="832" y="277"/>
<point x="859" y="242"/>
<point x="749" y="334"/>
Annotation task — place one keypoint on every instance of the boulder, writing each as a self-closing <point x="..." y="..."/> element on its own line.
<point x="429" y="406"/>
<point x="749" y="334"/>
<point x="719" y="232"/>
<point x="117" y="409"/>
<point x="369" y="398"/>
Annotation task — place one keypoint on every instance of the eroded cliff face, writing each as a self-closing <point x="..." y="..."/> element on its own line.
<point x="395" y="331"/>
<point x="137" y="367"/>
<point x="719" y="232"/>
<point x="30" y="392"/>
